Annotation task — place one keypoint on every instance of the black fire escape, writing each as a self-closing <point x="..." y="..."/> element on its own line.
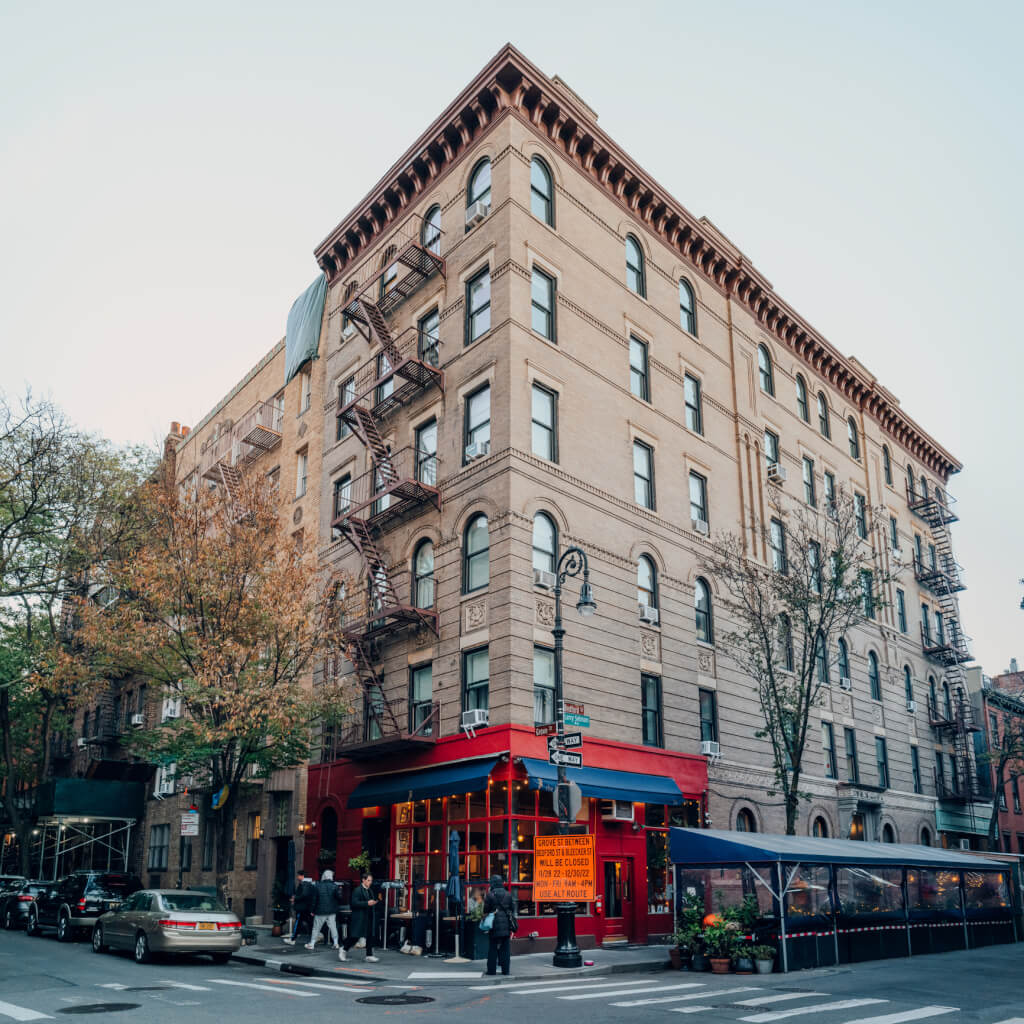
<point x="397" y="485"/>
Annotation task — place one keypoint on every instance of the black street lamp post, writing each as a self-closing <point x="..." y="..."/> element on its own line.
<point x="572" y="562"/>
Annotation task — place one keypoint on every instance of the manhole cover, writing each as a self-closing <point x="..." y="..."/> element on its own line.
<point x="100" y="1008"/>
<point x="402" y="1000"/>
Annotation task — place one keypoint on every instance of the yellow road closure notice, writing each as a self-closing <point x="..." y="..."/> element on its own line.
<point x="564" y="868"/>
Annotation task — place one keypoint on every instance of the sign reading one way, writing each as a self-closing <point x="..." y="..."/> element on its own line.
<point x="564" y="868"/>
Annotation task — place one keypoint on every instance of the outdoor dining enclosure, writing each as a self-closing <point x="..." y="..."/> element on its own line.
<point x="843" y="900"/>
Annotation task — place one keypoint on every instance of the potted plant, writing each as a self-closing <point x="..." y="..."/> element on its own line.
<point x="743" y="960"/>
<point x="764" y="958"/>
<point x="360" y="864"/>
<point x="679" y="947"/>
<point x="477" y="942"/>
<point x="719" y="940"/>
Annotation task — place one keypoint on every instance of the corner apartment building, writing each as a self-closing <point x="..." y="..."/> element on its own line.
<point x="530" y="345"/>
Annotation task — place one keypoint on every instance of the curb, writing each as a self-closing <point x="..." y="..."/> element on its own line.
<point x="310" y="971"/>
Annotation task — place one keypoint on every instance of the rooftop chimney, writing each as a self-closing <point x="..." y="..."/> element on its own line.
<point x="1013" y="665"/>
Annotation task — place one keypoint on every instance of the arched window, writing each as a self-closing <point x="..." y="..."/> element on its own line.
<point x="844" y="659"/>
<point x="542" y="196"/>
<point x="687" y="307"/>
<point x="423" y="574"/>
<point x="476" y="555"/>
<point x="545" y="542"/>
<point x="824" y="426"/>
<point x="329" y="831"/>
<point x="888" y="834"/>
<point x="821" y="659"/>
<point x="635" y="277"/>
<point x="926" y="836"/>
<point x="933" y="698"/>
<point x="745" y="821"/>
<point x="887" y="464"/>
<point x="390" y="276"/>
<point x="924" y="486"/>
<point x="947" y="702"/>
<point x="764" y="369"/>
<point x="820" y="828"/>
<point x="430" y="232"/>
<point x="479" y="188"/>
<point x="874" y="677"/>
<point x="908" y="683"/>
<point x="646" y="582"/>
<point x="853" y="437"/>
<point x="910" y="482"/>
<point x="801" y="399"/>
<point x="786" y="642"/>
<point x="702" y="611"/>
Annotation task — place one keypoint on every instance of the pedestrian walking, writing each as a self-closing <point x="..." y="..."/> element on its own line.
<point x="326" y="907"/>
<point x="303" y="905"/>
<point x="363" y="904"/>
<point x="499" y="902"/>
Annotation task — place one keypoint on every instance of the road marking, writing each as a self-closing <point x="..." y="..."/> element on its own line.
<point x="264" y="988"/>
<point x="182" y="984"/>
<point x="115" y="985"/>
<point x="475" y="975"/>
<point x="896" y="1018"/>
<point x="689" y="1009"/>
<point x="22" y="1013"/>
<point x="330" y="986"/>
<point x="842" y="1004"/>
<point x="692" y="995"/>
<point x="764" y="1000"/>
<point x="1011" y="1020"/>
<point x="627" y="992"/>
<point x="532" y="990"/>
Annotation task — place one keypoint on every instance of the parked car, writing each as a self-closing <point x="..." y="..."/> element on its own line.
<point x="169" y="921"/>
<point x="74" y="903"/>
<point x="8" y="881"/>
<point x="15" y="902"/>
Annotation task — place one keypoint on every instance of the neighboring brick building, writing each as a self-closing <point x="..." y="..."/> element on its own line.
<point x="530" y="344"/>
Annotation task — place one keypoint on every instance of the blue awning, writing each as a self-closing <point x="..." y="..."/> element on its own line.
<point x="711" y="847"/>
<point x="602" y="782"/>
<point x="444" y="780"/>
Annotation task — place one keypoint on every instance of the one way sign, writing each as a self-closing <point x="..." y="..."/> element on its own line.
<point x="567" y="757"/>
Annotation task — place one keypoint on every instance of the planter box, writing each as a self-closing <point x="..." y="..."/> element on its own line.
<point x="477" y="942"/>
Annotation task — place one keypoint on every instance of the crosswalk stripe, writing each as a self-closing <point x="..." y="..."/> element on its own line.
<point x="330" y="986"/>
<point x="764" y="1000"/>
<point x="22" y="1012"/>
<point x="692" y="995"/>
<point x="114" y="985"/>
<point x="475" y="975"/>
<point x="627" y="992"/>
<point x="689" y="1009"/>
<point x="265" y="988"/>
<point x="1011" y="1020"/>
<point x="842" y="1004"/>
<point x="190" y="988"/>
<point x="896" y="1018"/>
<point x="533" y="988"/>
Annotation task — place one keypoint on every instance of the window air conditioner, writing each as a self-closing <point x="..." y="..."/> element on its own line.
<point x="616" y="810"/>
<point x="543" y="578"/>
<point x="912" y="706"/>
<point x="82" y="743"/>
<point x="138" y="720"/>
<point x="845" y="683"/>
<point x="776" y="473"/>
<point x="477" y="450"/>
<point x="164" y="787"/>
<point x="648" y="614"/>
<point x="476" y="213"/>
<point x="701" y="526"/>
<point x="710" y="748"/>
<point x="475" y="719"/>
<point x="171" y="709"/>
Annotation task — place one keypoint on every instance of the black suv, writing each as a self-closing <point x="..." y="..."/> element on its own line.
<point x="76" y="901"/>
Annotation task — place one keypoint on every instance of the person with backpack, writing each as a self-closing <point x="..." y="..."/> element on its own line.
<point x="303" y="903"/>
<point x="326" y="906"/>
<point x="498" y="903"/>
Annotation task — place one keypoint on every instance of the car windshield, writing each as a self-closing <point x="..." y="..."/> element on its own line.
<point x="192" y="901"/>
<point x="118" y="884"/>
<point x="33" y="890"/>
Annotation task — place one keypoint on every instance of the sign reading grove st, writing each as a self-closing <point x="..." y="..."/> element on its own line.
<point x="564" y="868"/>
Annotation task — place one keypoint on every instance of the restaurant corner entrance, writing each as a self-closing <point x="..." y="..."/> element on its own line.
<point x="617" y="893"/>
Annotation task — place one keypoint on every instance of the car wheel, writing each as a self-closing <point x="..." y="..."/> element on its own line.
<point x="8" y="920"/>
<point x="65" y="933"/>
<point x="32" y="926"/>
<point x="220" y="958"/>
<point x="98" y="945"/>
<point x="142" y="953"/>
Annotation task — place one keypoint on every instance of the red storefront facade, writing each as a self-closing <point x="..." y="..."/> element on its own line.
<point x="408" y="838"/>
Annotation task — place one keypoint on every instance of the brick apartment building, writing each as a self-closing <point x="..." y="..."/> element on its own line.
<point x="530" y="344"/>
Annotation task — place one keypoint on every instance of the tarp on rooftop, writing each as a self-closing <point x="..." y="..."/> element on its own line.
<point x="603" y="782"/>
<point x="704" y="847"/>
<point x="302" y="336"/>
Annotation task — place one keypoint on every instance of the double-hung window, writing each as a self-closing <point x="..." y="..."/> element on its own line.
<point x="771" y="449"/>
<point x="307" y="391"/>
<point x="542" y="304"/>
<point x="543" y="422"/>
<point x="639" y="371"/>
<point x="421" y="698"/>
<point x="694" y="405"/>
<point x="852" y="771"/>
<point x="478" y="418"/>
<point x="861" y="515"/>
<point x="301" y="472"/>
<point x="882" y="757"/>
<point x="830" y="489"/>
<point x="867" y="586"/>
<point x="814" y="565"/>
<point x="777" y="541"/>
<point x="478" y="305"/>
<point x="543" y="686"/>
<point x="828" y="743"/>
<point x="901" y="610"/>
<point x="346" y="392"/>
<point x="159" y="844"/>
<point x="342" y="495"/>
<point x="475" y="680"/>
<point x="429" y="338"/>
<point x="426" y="453"/>
<point x="894" y="533"/>
<point x="643" y="474"/>
<point x="810" y="495"/>
<point x="698" y="498"/>
<point x="650" y="701"/>
<point x="708" y="715"/>
<point x="915" y="769"/>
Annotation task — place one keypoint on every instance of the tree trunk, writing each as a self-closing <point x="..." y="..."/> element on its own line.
<point x="792" y="799"/>
<point x="225" y="840"/>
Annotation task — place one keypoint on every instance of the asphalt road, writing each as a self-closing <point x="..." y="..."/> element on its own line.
<point x="41" y="979"/>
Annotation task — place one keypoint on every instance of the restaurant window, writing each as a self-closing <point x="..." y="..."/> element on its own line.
<point x="708" y="715"/>
<point x="475" y="680"/>
<point x="650" y="699"/>
<point x="421" y="699"/>
<point x="543" y="686"/>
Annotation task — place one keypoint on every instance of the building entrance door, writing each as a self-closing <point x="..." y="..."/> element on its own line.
<point x="617" y="882"/>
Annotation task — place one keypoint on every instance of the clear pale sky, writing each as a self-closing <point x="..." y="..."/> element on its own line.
<point x="165" y="172"/>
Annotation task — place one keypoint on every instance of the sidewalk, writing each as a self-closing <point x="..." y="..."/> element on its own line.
<point x="394" y="967"/>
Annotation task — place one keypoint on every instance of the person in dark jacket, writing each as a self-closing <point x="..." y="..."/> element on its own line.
<point x="326" y="907"/>
<point x="302" y="906"/>
<point x="499" y="950"/>
<point x="363" y="904"/>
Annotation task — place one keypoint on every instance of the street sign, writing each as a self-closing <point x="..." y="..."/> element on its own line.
<point x="569" y="708"/>
<point x="572" y="739"/>
<point x="564" y="868"/>
<point x="190" y="823"/>
<point x="580" y="721"/>
<point x="567" y="757"/>
<point x="552" y="743"/>
<point x="545" y="730"/>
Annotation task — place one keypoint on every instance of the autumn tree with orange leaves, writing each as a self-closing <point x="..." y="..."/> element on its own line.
<point x="218" y="609"/>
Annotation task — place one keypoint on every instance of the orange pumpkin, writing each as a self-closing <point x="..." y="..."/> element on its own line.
<point x="710" y="919"/>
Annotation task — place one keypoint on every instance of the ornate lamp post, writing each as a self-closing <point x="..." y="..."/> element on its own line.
<point x="572" y="562"/>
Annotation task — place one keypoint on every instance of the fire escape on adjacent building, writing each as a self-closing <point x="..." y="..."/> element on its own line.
<point x="398" y="484"/>
<point x="230" y="454"/>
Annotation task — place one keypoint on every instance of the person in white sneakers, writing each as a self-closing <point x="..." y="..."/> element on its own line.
<point x="363" y="904"/>
<point x="328" y="903"/>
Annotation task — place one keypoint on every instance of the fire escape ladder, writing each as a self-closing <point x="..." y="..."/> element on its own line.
<point x="365" y="428"/>
<point x="379" y="331"/>
<point x="232" y="480"/>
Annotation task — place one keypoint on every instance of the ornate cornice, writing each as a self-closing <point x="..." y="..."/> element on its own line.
<point x="511" y="85"/>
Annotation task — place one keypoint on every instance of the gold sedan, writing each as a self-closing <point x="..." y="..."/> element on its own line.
<point x="169" y="921"/>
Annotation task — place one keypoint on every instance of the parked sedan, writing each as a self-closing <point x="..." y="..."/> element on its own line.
<point x="169" y="921"/>
<point x="15" y="901"/>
